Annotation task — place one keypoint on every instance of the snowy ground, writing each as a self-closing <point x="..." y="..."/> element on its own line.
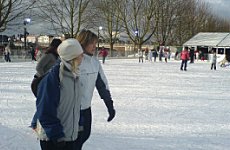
<point x="158" y="107"/>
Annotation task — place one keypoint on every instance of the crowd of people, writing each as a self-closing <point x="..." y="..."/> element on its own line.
<point x="187" y="54"/>
<point x="163" y="53"/>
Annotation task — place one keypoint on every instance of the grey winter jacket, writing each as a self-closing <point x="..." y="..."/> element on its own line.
<point x="214" y="58"/>
<point x="59" y="116"/>
<point x="69" y="106"/>
<point x="45" y="63"/>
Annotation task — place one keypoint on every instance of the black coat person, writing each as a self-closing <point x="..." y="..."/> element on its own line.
<point x="155" y="55"/>
<point x="191" y="55"/>
<point x="32" y="52"/>
<point x="160" y="55"/>
<point x="7" y="53"/>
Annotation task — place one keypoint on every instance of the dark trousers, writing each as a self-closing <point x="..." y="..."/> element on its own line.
<point x="50" y="145"/>
<point x="165" y="59"/>
<point x="183" y="65"/>
<point x="213" y="65"/>
<point x="103" y="59"/>
<point x="85" y="121"/>
<point x="33" y="57"/>
<point x="140" y="59"/>
<point x="7" y="57"/>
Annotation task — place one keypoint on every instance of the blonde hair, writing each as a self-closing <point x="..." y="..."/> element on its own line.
<point x="73" y="64"/>
<point x="86" y="37"/>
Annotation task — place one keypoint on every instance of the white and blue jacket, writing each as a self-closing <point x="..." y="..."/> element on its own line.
<point x="91" y="76"/>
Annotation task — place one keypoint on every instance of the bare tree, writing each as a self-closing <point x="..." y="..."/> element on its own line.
<point x="214" y="23"/>
<point x="66" y="17"/>
<point x="11" y="10"/>
<point x="137" y="19"/>
<point x="166" y="18"/>
<point x="191" y="17"/>
<point x="110" y="18"/>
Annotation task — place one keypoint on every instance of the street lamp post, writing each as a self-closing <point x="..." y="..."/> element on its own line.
<point x="2" y="40"/>
<point x="98" y="42"/>
<point x="136" y="37"/>
<point x="26" y="21"/>
<point x="137" y="34"/>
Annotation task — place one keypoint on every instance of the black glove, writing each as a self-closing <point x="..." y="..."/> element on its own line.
<point x="111" y="110"/>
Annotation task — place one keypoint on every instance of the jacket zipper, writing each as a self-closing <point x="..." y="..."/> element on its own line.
<point x="74" y="107"/>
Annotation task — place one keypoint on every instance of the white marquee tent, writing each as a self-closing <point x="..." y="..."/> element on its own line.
<point x="212" y="39"/>
<point x="218" y="41"/>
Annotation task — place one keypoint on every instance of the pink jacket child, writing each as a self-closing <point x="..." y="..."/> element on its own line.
<point x="184" y="57"/>
<point x="184" y="54"/>
<point x="103" y="53"/>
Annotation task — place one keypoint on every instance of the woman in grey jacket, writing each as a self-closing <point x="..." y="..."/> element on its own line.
<point x="48" y="59"/>
<point x="58" y="103"/>
<point x="91" y="76"/>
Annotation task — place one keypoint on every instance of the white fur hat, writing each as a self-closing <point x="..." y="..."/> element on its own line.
<point x="69" y="49"/>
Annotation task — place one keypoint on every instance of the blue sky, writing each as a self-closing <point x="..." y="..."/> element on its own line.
<point x="220" y="7"/>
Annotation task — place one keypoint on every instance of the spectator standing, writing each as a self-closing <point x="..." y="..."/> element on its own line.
<point x="197" y="55"/>
<point x="7" y="53"/>
<point x="92" y="75"/>
<point x="191" y="54"/>
<point x="213" y="61"/>
<point x="166" y="56"/>
<point x="155" y="54"/>
<point x="150" y="55"/>
<point x="4" y="52"/>
<point x="32" y="52"/>
<point x="161" y="53"/>
<point x="169" y="53"/>
<point x="140" y="55"/>
<point x="176" y="55"/>
<point x="184" y="58"/>
<point x="146" y="53"/>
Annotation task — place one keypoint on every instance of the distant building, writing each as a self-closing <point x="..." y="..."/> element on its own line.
<point x="45" y="40"/>
<point x="18" y="43"/>
<point x="31" y="39"/>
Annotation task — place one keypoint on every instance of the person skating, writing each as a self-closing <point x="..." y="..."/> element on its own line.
<point x="92" y="75"/>
<point x="104" y="54"/>
<point x="48" y="59"/>
<point x="58" y="103"/>
<point x="213" y="61"/>
<point x="184" y="58"/>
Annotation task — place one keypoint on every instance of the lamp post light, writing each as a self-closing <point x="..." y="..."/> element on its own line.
<point x="136" y="37"/>
<point x="136" y="34"/>
<point x="98" y="42"/>
<point x="26" y="21"/>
